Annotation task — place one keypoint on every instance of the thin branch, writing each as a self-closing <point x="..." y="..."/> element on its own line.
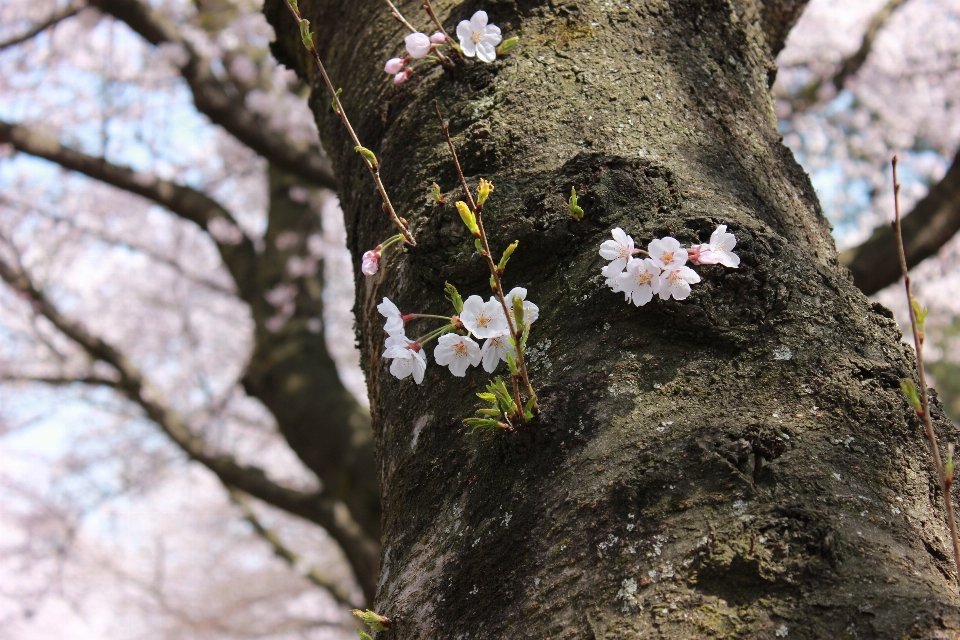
<point x="314" y="575"/>
<point x="851" y="65"/>
<point x="213" y="99"/>
<point x="372" y="165"/>
<point x="63" y="381"/>
<point x="361" y="552"/>
<point x="399" y="16"/>
<point x="945" y="479"/>
<point x="56" y="18"/>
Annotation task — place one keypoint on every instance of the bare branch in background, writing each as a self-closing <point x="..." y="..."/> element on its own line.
<point x="212" y="98"/>
<point x="362" y="553"/>
<point x="932" y="223"/>
<point x="311" y="573"/>
<point x="851" y="64"/>
<point x="56" y="18"/>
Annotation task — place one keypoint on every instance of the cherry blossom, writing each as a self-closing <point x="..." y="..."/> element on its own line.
<point x="612" y="280"/>
<point x="640" y="281"/>
<point x="676" y="282"/>
<point x="718" y="251"/>
<point x="394" y="65"/>
<point x="418" y="45"/>
<point x="438" y="38"/>
<point x="408" y="357"/>
<point x="618" y="250"/>
<point x="371" y="262"/>
<point x="477" y="38"/>
<point x="401" y="77"/>
<point x="395" y="322"/>
<point x="484" y="319"/>
<point x="667" y="253"/>
<point x="494" y="350"/>
<point x="457" y="352"/>
<point x="530" y="311"/>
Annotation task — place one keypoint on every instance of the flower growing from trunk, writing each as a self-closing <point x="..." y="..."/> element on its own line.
<point x="477" y="38"/>
<point x="676" y="283"/>
<point x="640" y="281"/>
<point x="418" y="45"/>
<point x="618" y="251"/>
<point x="371" y="261"/>
<point x="484" y="319"/>
<point x="457" y="352"/>
<point x="395" y="321"/>
<point x="408" y="358"/>
<point x="394" y="65"/>
<point x="667" y="253"/>
<point x="718" y="251"/>
<point x="494" y="350"/>
<point x="530" y="311"/>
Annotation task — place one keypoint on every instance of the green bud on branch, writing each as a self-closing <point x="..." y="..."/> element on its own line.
<point x="484" y="191"/>
<point x="507" y="44"/>
<point x="920" y="314"/>
<point x="293" y="5"/>
<point x="305" y="34"/>
<point x="364" y="635"/>
<point x="368" y="155"/>
<point x="478" y="245"/>
<point x="530" y="408"/>
<point x="435" y="191"/>
<point x="518" y="312"/>
<point x="948" y="468"/>
<point x="575" y="211"/>
<point x="454" y="297"/>
<point x="506" y="256"/>
<point x="913" y="397"/>
<point x="468" y="218"/>
<point x="333" y="101"/>
<point x="374" y="620"/>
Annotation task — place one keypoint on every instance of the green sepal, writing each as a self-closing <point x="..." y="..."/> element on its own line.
<point x="575" y="211"/>
<point x="478" y="245"/>
<point x="453" y="296"/>
<point x="373" y="619"/>
<point x="305" y="34"/>
<point x="913" y="397"/>
<point x="333" y="101"/>
<point x="368" y="155"/>
<point x="507" y="44"/>
<point x="506" y="255"/>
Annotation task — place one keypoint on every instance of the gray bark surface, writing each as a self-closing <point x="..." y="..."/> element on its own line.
<point x="745" y="456"/>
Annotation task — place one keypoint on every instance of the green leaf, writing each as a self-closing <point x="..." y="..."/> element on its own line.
<point x="373" y="619"/>
<point x="493" y="413"/>
<point x="507" y="44"/>
<point x="305" y="34"/>
<point x="575" y="211"/>
<point x="528" y="409"/>
<point x="293" y="3"/>
<point x="364" y="635"/>
<point x="488" y="397"/>
<point x="367" y="155"/>
<point x="435" y="191"/>
<point x="920" y="313"/>
<point x="512" y="363"/>
<point x="333" y="101"/>
<point x="484" y="424"/>
<point x="506" y="255"/>
<point x="454" y="297"/>
<point x="910" y="390"/>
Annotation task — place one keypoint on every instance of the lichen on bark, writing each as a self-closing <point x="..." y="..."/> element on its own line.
<point x="744" y="457"/>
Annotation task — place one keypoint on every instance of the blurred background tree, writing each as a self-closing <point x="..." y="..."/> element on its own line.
<point x="186" y="451"/>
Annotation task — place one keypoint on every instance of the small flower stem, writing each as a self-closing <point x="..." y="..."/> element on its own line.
<point x="391" y="241"/>
<point x="478" y="211"/>
<point x="374" y="169"/>
<point x="399" y="16"/>
<point x="436" y="333"/>
<point x="918" y="350"/>
<point x="427" y="315"/>
<point x="436" y="21"/>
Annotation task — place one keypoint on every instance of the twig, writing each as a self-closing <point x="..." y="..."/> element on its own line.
<point x="372" y="166"/>
<point x="67" y="12"/>
<point x="296" y="562"/>
<point x="945" y="481"/>
<point x="399" y="16"/>
<point x="433" y="16"/>
<point x="478" y="212"/>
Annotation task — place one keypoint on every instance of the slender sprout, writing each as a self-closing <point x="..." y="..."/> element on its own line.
<point x="494" y="272"/>
<point x="399" y="16"/>
<point x="945" y="477"/>
<point x="369" y="159"/>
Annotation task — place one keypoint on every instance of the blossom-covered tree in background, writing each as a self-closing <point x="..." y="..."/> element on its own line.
<point x="191" y="320"/>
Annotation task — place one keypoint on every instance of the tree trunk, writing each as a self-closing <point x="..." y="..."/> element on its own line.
<point x="738" y="464"/>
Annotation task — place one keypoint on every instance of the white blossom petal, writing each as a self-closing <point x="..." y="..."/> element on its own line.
<point x="457" y="352"/>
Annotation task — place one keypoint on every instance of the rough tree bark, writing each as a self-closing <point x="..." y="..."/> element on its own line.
<point x="744" y="457"/>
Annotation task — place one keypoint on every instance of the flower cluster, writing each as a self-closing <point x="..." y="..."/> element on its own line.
<point x="477" y="38"/>
<point x="479" y="320"/>
<point x="663" y="271"/>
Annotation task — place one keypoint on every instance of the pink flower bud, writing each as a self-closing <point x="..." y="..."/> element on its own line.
<point x="438" y="38"/>
<point x="394" y="65"/>
<point x="401" y="77"/>
<point x="418" y="45"/>
<point x="371" y="262"/>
